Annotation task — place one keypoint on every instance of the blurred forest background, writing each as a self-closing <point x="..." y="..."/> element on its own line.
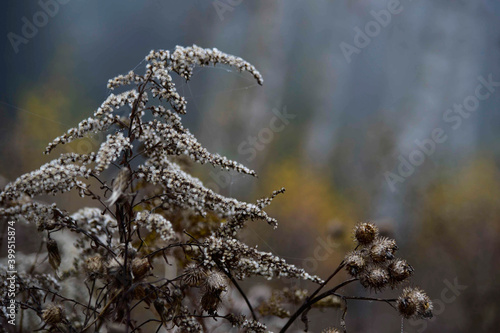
<point x="351" y="121"/>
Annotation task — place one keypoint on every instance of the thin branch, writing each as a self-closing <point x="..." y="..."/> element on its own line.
<point x="310" y="301"/>
<point x="361" y="298"/>
<point x="233" y="280"/>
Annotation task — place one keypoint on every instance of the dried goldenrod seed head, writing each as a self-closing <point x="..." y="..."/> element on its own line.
<point x="54" y="255"/>
<point x="216" y="281"/>
<point x="399" y="270"/>
<point x="374" y="277"/>
<point x="414" y="303"/>
<point x="46" y="225"/>
<point x="194" y="275"/>
<point x="365" y="233"/>
<point x="354" y="263"/>
<point x="94" y="265"/>
<point x="140" y="267"/>
<point x="235" y="320"/>
<point x="52" y="315"/>
<point x="383" y="249"/>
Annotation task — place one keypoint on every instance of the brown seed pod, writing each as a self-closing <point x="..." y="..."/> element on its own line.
<point x="383" y="249"/>
<point x="399" y="270"/>
<point x="374" y="277"/>
<point x="354" y="263"/>
<point x="52" y="315"/>
<point x="194" y="275"/>
<point x="94" y="265"/>
<point x="140" y="267"/>
<point x="413" y="302"/>
<point x="365" y="233"/>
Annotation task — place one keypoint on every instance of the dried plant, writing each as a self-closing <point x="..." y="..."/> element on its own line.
<point x="155" y="220"/>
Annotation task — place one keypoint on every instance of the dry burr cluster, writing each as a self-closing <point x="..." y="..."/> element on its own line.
<point x="374" y="264"/>
<point x="158" y="250"/>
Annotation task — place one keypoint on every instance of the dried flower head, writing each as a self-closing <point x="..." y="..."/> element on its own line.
<point x="52" y="315"/>
<point x="216" y="281"/>
<point x="399" y="270"/>
<point x="413" y="302"/>
<point x="94" y="265"/>
<point x="157" y="223"/>
<point x="140" y="266"/>
<point x="194" y="275"/>
<point x="253" y="326"/>
<point x="355" y="263"/>
<point x="215" y="284"/>
<point x="110" y="150"/>
<point x="383" y="249"/>
<point x="374" y="277"/>
<point x="365" y="233"/>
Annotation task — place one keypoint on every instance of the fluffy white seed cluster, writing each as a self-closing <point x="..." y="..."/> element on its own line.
<point x="185" y="191"/>
<point x="186" y="323"/>
<point x="86" y="126"/>
<point x="110" y="150"/>
<point x="157" y="223"/>
<point x="114" y="102"/>
<point x="246" y="261"/>
<point x="184" y="59"/>
<point x="41" y="214"/>
<point x="169" y="117"/>
<point x="51" y="178"/>
<point x="96" y="224"/>
<point x="26" y="281"/>
<point x="250" y="325"/>
<point x="159" y="68"/>
<point x="93" y="219"/>
<point x="177" y="141"/>
<point x="122" y="80"/>
<point x="103" y="119"/>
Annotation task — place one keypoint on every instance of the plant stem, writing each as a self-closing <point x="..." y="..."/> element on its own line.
<point x="310" y="301"/>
